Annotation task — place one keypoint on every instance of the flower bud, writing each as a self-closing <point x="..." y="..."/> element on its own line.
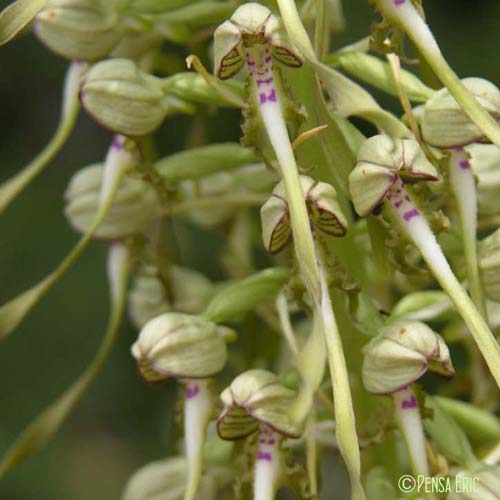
<point x="135" y="204"/>
<point x="482" y="483"/>
<point x="256" y="397"/>
<point x="445" y="124"/>
<point x="125" y="99"/>
<point x="166" y="480"/>
<point x="381" y="159"/>
<point x="79" y="29"/>
<point x="485" y="164"/>
<point x="401" y="354"/>
<point x="251" y="23"/>
<point x="322" y="205"/>
<point x="213" y="185"/>
<point x="180" y="346"/>
<point x="489" y="265"/>
<point x="187" y="292"/>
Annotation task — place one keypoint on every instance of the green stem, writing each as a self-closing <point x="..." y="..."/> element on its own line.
<point x="40" y="430"/>
<point x="14" y="311"/>
<point x="10" y="189"/>
<point x="414" y="225"/>
<point x="266" y="95"/>
<point x="406" y="16"/>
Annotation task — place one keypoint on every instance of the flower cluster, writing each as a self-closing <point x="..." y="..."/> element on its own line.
<point x="352" y="266"/>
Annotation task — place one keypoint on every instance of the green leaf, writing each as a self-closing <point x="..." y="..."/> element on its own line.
<point x="374" y="71"/>
<point x="16" y="16"/>
<point x="194" y="88"/>
<point x="449" y="438"/>
<point x="481" y="425"/>
<point x="243" y="296"/>
<point x="379" y="486"/>
<point x="206" y="160"/>
<point x="46" y="424"/>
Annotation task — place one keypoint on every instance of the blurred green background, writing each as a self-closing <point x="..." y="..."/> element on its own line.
<point x="121" y="423"/>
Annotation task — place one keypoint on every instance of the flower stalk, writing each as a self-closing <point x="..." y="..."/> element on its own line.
<point x="10" y="189"/>
<point x="463" y="185"/>
<point x="414" y="225"/>
<point x="404" y="14"/>
<point x="197" y="413"/>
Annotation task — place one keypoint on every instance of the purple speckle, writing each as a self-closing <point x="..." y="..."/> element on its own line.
<point x="409" y="403"/>
<point x="264" y="455"/>
<point x="407" y="198"/>
<point x="271" y="97"/>
<point x="464" y="164"/>
<point x="410" y="214"/>
<point x="397" y="204"/>
<point x="268" y="59"/>
<point x="192" y="391"/>
<point x="264" y="82"/>
<point x="250" y="62"/>
<point x="117" y="143"/>
<point x="271" y="441"/>
<point x="397" y="3"/>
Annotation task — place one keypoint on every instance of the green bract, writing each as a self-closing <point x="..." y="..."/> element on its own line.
<point x="401" y="354"/>
<point x="381" y="159"/>
<point x="322" y="205"/>
<point x="252" y="23"/>
<point x="183" y="290"/>
<point x="79" y="29"/>
<point x="256" y="397"/>
<point x="181" y="346"/>
<point x="444" y="122"/>
<point x="485" y="163"/>
<point x="134" y="206"/>
<point x="483" y="483"/>
<point x="166" y="480"/>
<point x="489" y="265"/>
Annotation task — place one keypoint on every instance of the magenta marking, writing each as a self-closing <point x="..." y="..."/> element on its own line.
<point x="407" y="198"/>
<point x="398" y="191"/>
<point x="192" y="391"/>
<point x="271" y="97"/>
<point x="397" y="204"/>
<point x="409" y="403"/>
<point x="464" y="164"/>
<point x="250" y="62"/>
<point x="264" y="455"/>
<point x="271" y="441"/>
<point x="267" y="59"/>
<point x="264" y="82"/>
<point x="397" y="3"/>
<point x="410" y="214"/>
<point x="117" y="143"/>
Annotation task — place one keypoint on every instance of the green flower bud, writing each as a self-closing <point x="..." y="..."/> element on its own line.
<point x="401" y="354"/>
<point x="322" y="205"/>
<point x="381" y="159"/>
<point x="79" y="29"/>
<point x="256" y="397"/>
<point x="125" y="99"/>
<point x="485" y="163"/>
<point x="211" y="186"/>
<point x="489" y="265"/>
<point x="482" y="483"/>
<point x="251" y="23"/>
<point x="444" y="122"/>
<point x="180" y="346"/>
<point x="134" y="206"/>
<point x="187" y="292"/>
<point x="166" y="480"/>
